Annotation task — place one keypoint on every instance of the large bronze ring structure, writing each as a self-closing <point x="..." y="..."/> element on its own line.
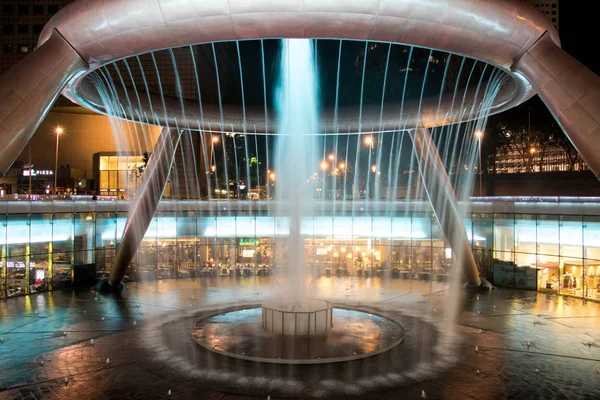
<point x="508" y="34"/>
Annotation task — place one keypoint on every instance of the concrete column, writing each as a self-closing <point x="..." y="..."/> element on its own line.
<point x="443" y="200"/>
<point x="28" y="90"/>
<point x="572" y="93"/>
<point x="144" y="204"/>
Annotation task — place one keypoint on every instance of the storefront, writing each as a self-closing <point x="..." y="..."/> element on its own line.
<point x="557" y="250"/>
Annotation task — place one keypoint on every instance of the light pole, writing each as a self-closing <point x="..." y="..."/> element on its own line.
<point x="479" y="135"/>
<point x="58" y="131"/>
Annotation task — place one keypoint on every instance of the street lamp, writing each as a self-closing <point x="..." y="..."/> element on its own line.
<point x="374" y="168"/>
<point x="324" y="165"/>
<point x="58" y="131"/>
<point x="479" y="135"/>
<point x="369" y="141"/>
<point x="331" y="157"/>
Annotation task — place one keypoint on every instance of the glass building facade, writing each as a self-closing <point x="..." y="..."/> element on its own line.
<point x="537" y="244"/>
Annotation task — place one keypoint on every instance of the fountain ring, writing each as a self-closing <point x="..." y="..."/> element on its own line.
<point x="168" y="24"/>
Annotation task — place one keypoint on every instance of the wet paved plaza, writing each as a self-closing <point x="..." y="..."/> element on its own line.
<point x="510" y="345"/>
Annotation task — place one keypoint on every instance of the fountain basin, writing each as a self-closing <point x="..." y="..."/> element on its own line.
<point x="306" y="318"/>
<point x="356" y="334"/>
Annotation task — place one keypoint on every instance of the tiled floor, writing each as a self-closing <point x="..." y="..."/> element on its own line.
<point x="529" y="345"/>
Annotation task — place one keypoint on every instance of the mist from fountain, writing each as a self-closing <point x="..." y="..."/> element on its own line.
<point x="297" y="107"/>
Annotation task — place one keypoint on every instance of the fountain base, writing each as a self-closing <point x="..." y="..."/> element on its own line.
<point x="306" y="318"/>
<point x="354" y="334"/>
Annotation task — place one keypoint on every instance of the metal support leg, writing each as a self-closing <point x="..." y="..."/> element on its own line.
<point x="143" y="206"/>
<point x="28" y="90"/>
<point x="572" y="93"/>
<point x="443" y="200"/>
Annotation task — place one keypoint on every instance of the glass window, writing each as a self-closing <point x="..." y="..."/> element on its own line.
<point x="24" y="49"/>
<point x="123" y="180"/>
<point x="591" y="253"/>
<point x="8" y="29"/>
<point x="8" y="10"/>
<point x="104" y="180"/>
<point x="113" y="163"/>
<point x="112" y="180"/>
<point x="571" y="236"/>
<point x="525" y="240"/>
<point x="23" y="10"/>
<point x="84" y="238"/>
<point x="8" y="48"/>
<point x="2" y="256"/>
<point x="571" y="251"/>
<point x="548" y="234"/>
<point x="52" y="9"/>
<point x="23" y="29"/>
<point x="122" y="163"/>
<point x="106" y="231"/>
<point x="592" y="279"/>
<point x="37" y="28"/>
<point x="17" y="271"/>
<point x="104" y="163"/>
<point x="38" y="10"/>
<point x="504" y="235"/>
<point x="40" y="249"/>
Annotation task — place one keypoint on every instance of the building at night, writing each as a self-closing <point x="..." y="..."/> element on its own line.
<point x="550" y="10"/>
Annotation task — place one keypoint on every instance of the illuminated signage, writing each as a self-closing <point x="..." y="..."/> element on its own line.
<point x="247" y="253"/>
<point x="248" y="242"/>
<point x="35" y="172"/>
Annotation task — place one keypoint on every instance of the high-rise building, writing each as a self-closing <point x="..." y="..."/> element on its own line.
<point x="22" y="22"/>
<point x="549" y="8"/>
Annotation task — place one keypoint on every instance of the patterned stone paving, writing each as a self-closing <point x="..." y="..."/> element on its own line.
<point x="529" y="345"/>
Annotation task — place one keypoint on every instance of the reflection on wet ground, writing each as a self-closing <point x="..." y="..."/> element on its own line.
<point x="512" y="344"/>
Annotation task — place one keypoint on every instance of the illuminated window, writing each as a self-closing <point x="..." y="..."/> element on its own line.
<point x="104" y="163"/>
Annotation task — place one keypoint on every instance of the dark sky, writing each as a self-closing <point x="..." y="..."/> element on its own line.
<point x="579" y="27"/>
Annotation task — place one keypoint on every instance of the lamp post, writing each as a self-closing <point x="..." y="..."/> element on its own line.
<point x="479" y="135"/>
<point x="58" y="131"/>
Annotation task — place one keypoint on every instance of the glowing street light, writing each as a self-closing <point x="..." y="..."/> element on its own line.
<point x="479" y="135"/>
<point x="341" y="166"/>
<point x="331" y="157"/>
<point x="272" y="176"/>
<point x="58" y="131"/>
<point x="324" y="165"/>
<point x="374" y="168"/>
<point x="532" y="150"/>
<point x="368" y="140"/>
<point x="215" y="139"/>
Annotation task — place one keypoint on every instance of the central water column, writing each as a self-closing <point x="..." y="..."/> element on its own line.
<point x="292" y="311"/>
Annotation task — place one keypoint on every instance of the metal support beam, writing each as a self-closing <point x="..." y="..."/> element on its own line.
<point x="28" y="90"/>
<point x="572" y="93"/>
<point x="443" y="200"/>
<point x="144" y="204"/>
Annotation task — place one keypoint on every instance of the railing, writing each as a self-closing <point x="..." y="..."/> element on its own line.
<point x="50" y="197"/>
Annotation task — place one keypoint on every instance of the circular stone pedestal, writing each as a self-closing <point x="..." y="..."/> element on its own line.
<point x="307" y="318"/>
